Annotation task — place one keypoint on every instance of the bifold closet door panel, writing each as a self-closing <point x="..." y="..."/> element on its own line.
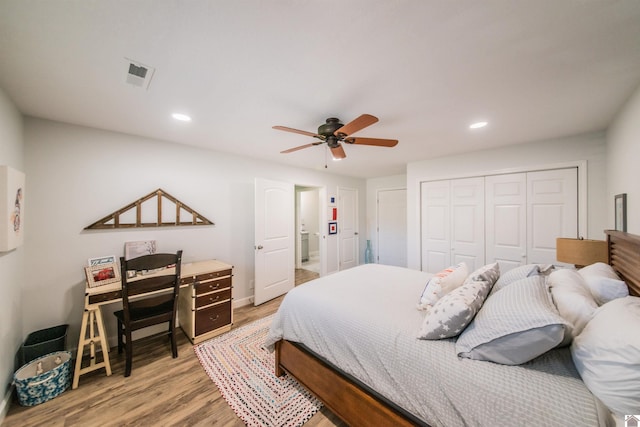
<point x="552" y="211"/>
<point x="435" y="226"/>
<point x="506" y="220"/>
<point x="452" y="223"/>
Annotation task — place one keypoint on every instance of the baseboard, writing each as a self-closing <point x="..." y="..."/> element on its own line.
<point x="6" y="403"/>
<point x="242" y="302"/>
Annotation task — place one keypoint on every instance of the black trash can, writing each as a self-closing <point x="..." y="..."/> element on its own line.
<point x="42" y="342"/>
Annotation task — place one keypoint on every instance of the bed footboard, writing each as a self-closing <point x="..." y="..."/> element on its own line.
<point x="354" y="404"/>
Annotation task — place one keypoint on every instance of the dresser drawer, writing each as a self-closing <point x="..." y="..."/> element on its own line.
<point x="212" y="285"/>
<point x="213" y="298"/>
<point x="210" y="318"/>
<point x="204" y="277"/>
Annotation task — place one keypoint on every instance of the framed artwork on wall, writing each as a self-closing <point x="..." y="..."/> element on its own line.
<point x="333" y="227"/>
<point x="621" y="212"/>
<point x="12" y="198"/>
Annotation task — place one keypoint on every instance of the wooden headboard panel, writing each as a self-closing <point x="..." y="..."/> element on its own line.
<point x="624" y="257"/>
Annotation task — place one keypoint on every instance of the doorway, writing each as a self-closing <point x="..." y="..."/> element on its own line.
<point x="308" y="233"/>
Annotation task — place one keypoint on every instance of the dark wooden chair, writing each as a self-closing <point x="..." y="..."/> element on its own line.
<point x="148" y="299"/>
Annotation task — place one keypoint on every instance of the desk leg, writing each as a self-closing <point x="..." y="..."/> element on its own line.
<point x="80" y="352"/>
<point x="92" y="317"/>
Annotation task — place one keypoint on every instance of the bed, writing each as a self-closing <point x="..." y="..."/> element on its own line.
<point x="322" y="336"/>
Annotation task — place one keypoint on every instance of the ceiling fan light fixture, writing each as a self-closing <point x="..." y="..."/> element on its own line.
<point x="478" y="125"/>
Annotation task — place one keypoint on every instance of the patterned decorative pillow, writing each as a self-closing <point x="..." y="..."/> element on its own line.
<point x="489" y="273"/>
<point x="441" y="284"/>
<point x="452" y="313"/>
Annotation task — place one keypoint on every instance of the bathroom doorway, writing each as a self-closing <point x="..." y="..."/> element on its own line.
<point x="308" y="233"/>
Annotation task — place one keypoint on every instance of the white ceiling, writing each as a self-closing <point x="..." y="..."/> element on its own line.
<point x="535" y="69"/>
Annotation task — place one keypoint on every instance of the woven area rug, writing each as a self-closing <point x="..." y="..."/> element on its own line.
<point x="244" y="372"/>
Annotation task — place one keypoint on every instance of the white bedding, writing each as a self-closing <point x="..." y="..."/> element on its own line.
<point x="364" y="320"/>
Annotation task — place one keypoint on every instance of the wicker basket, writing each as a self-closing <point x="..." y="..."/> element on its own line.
<point x="43" y="378"/>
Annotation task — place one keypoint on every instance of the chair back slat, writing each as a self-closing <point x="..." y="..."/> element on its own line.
<point x="150" y="284"/>
<point x="139" y="286"/>
<point x="151" y="262"/>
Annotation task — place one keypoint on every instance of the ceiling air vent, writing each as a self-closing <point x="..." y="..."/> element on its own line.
<point x="138" y="74"/>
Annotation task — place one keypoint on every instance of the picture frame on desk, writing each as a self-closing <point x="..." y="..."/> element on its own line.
<point x="102" y="274"/>
<point x="102" y="260"/>
<point x="140" y="248"/>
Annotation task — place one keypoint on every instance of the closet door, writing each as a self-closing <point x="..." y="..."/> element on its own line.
<point x="435" y="226"/>
<point x="468" y="222"/>
<point x="552" y="212"/>
<point x="506" y="225"/>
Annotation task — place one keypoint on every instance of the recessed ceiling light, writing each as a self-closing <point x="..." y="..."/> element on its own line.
<point x="181" y="117"/>
<point x="478" y="125"/>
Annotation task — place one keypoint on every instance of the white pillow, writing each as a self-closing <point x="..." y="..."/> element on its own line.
<point x="605" y="289"/>
<point x="441" y="284"/>
<point x="515" y="325"/>
<point x="599" y="269"/>
<point x="572" y="299"/>
<point x="607" y="355"/>
<point x="603" y="282"/>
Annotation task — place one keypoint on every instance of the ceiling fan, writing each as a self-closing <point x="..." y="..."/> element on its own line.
<point x="333" y="133"/>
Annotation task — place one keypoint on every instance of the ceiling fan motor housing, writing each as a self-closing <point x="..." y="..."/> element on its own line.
<point x="329" y="127"/>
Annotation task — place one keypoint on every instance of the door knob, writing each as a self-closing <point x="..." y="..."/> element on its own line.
<point x="259" y="247"/>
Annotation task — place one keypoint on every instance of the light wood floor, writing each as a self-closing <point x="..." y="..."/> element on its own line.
<point x="161" y="391"/>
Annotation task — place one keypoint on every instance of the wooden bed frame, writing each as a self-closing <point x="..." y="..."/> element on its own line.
<point x="358" y="405"/>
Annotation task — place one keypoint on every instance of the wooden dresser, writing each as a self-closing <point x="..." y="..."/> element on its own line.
<point x="205" y="301"/>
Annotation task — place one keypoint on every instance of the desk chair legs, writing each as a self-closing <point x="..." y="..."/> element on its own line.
<point x="129" y="350"/>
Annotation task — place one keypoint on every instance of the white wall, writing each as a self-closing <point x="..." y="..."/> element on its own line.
<point x="78" y="175"/>
<point x="12" y="262"/>
<point x="373" y="186"/>
<point x="590" y="148"/>
<point x="623" y="153"/>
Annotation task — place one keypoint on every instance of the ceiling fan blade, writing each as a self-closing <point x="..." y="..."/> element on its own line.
<point x="302" y="132"/>
<point x="291" y="150"/>
<point x="378" y="142"/>
<point x="338" y="152"/>
<point x="355" y="125"/>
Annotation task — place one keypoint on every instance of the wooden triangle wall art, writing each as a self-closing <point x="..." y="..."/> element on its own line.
<point x="156" y="209"/>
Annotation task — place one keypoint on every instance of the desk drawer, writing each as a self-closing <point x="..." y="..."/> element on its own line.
<point x="213" y="298"/>
<point x="204" y="276"/>
<point x="106" y="297"/>
<point x="212" y="285"/>
<point x="217" y="316"/>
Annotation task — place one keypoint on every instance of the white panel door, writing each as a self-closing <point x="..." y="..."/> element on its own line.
<point x="392" y="227"/>
<point x="435" y="226"/>
<point x="506" y="220"/>
<point x="274" y="239"/>
<point x="552" y="212"/>
<point x="348" y="227"/>
<point x="467" y="222"/>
